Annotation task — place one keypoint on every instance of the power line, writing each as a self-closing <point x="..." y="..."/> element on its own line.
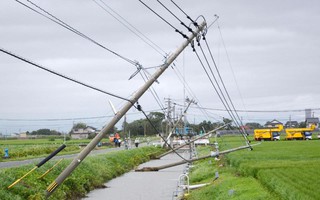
<point x="229" y="61"/>
<point x="261" y="111"/>
<point x="179" y="75"/>
<point x="62" y="76"/>
<point x="221" y="96"/>
<point x="219" y="75"/>
<point x="181" y="22"/>
<point x="130" y="27"/>
<point x="176" y="30"/>
<point x="70" y="28"/>
<point x="69" y="118"/>
<point x="188" y="17"/>
<point x="158" y="133"/>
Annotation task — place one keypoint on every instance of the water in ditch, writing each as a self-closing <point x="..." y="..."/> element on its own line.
<point x="159" y="185"/>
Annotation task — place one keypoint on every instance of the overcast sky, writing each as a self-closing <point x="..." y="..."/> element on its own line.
<point x="268" y="54"/>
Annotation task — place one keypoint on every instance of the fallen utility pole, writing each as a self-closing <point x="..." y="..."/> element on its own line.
<point x="49" y="170"/>
<point x="39" y="164"/>
<point x="82" y="155"/>
<point x="197" y="138"/>
<point x="213" y="154"/>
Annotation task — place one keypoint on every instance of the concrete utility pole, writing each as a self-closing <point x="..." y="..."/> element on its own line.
<point x="176" y="124"/>
<point x="213" y="154"/>
<point x="187" y="143"/>
<point x="82" y="155"/>
<point x="169" y="116"/>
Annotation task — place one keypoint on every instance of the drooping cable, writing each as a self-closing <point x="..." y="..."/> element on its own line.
<point x="233" y="116"/>
<point x="181" y="22"/>
<point x="228" y="58"/>
<point x="153" y="92"/>
<point x="176" y="30"/>
<point x="138" y="107"/>
<point x="188" y="17"/>
<point x="189" y="90"/>
<point x="221" y="96"/>
<point x="70" y="28"/>
<point x="214" y="86"/>
<point x="60" y="75"/>
<point x="221" y="80"/>
<point x="129" y="26"/>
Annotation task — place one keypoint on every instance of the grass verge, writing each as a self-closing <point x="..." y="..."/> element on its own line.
<point x="92" y="173"/>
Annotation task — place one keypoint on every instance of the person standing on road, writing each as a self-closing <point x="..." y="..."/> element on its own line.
<point x="136" y="142"/>
<point x="119" y="142"/>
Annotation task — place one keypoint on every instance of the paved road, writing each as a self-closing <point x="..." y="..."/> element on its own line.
<point x="37" y="160"/>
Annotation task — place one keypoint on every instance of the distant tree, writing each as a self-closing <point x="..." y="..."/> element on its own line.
<point x="253" y="125"/>
<point x="143" y="126"/>
<point x="136" y="127"/>
<point x="54" y="132"/>
<point x="302" y="124"/>
<point x="227" y="121"/>
<point x="208" y="125"/>
<point x="92" y="135"/>
<point x="43" y="132"/>
<point x="80" y="125"/>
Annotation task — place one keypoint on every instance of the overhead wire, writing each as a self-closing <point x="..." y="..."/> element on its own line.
<point x="190" y="30"/>
<point x="211" y="81"/>
<point x="153" y="92"/>
<point x="188" y="17"/>
<point x="194" y="22"/>
<point x="176" y="30"/>
<point x="158" y="133"/>
<point x="221" y="80"/>
<point x="62" y="76"/>
<point x="181" y="22"/>
<point x="235" y="120"/>
<point x="130" y="27"/>
<point x="179" y="75"/>
<point x="220" y="94"/>
<point x="144" y="38"/>
<point x="70" y="28"/>
<point x="229" y="61"/>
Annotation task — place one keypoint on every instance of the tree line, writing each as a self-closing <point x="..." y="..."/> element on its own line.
<point x="155" y="123"/>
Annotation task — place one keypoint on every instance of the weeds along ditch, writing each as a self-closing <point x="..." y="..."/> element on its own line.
<point x="273" y="170"/>
<point x="92" y="173"/>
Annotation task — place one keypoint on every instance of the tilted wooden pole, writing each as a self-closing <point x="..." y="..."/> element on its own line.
<point x="82" y="155"/>
<point x="197" y="138"/>
<point x="213" y="154"/>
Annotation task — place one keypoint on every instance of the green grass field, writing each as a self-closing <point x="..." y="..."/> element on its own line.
<point x="32" y="148"/>
<point x="273" y="170"/>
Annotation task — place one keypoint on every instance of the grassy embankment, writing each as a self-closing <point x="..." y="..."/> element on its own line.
<point x="273" y="170"/>
<point x="92" y="173"/>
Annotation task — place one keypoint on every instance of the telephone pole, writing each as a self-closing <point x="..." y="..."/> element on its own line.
<point x="82" y="155"/>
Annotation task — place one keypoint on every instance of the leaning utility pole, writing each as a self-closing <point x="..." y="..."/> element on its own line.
<point x="213" y="154"/>
<point x="82" y="155"/>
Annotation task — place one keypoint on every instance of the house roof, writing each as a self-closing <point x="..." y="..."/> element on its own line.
<point x="273" y="122"/>
<point x="292" y="122"/>
<point x="312" y="120"/>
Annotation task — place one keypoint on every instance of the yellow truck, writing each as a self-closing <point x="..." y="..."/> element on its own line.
<point x="300" y="133"/>
<point x="268" y="133"/>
